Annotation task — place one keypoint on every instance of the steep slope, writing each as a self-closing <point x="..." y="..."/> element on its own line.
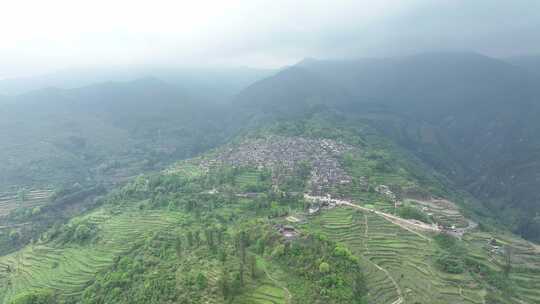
<point x="432" y="84"/>
<point x="60" y="136"/>
<point x="470" y="116"/>
<point x="531" y="62"/>
<point x="289" y="93"/>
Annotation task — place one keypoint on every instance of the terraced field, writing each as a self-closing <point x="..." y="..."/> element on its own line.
<point x="443" y="212"/>
<point x="185" y="168"/>
<point x="32" y="198"/>
<point x="247" y="178"/>
<point x="525" y="273"/>
<point x="70" y="269"/>
<point x="267" y="289"/>
<point x="265" y="292"/>
<point x="398" y="262"/>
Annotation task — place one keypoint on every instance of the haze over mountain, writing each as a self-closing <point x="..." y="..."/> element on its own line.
<point x="270" y="152"/>
<point x="472" y="117"/>
<point x="71" y="133"/>
<point x="215" y="84"/>
<point x="530" y="62"/>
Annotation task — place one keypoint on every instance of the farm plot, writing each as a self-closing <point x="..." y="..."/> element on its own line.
<point x="29" y="199"/>
<point x="443" y="212"/>
<point x="247" y="178"/>
<point x="70" y="269"/>
<point x="185" y="168"/>
<point x="525" y="261"/>
<point x="398" y="263"/>
<point x="265" y="292"/>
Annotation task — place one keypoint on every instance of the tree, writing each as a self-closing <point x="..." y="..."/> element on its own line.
<point x="36" y="210"/>
<point x="260" y="246"/>
<point x="43" y="297"/>
<point x="241" y="243"/>
<point x="201" y="281"/>
<point x="324" y="268"/>
<point x="224" y="284"/>
<point x="197" y="237"/>
<point x="190" y="238"/>
<point x="252" y="264"/>
<point x="178" y="247"/>
<point x="14" y="236"/>
<point x="209" y="235"/>
<point x="21" y="195"/>
<point x="220" y="234"/>
<point x="222" y="255"/>
<point x="241" y="273"/>
<point x="359" y="285"/>
<point x="508" y="251"/>
<point x="278" y="251"/>
<point x="83" y="232"/>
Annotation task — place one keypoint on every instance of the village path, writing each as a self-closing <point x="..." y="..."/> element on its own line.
<point x="403" y="223"/>
<point x="399" y="300"/>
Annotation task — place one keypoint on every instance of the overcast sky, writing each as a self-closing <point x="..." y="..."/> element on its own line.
<point x="41" y="36"/>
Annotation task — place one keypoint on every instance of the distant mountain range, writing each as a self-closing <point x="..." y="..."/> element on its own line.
<point x="531" y="62"/>
<point x="217" y="84"/>
<point x="104" y="132"/>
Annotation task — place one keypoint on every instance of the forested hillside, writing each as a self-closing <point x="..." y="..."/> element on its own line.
<point x="103" y="133"/>
<point x="471" y="117"/>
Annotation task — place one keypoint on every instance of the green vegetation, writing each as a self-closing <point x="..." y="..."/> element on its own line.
<point x="452" y="254"/>
<point x="34" y="298"/>
<point x="222" y="234"/>
<point x="410" y="212"/>
<point x="164" y="238"/>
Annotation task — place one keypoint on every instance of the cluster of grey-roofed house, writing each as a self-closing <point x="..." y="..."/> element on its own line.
<point x="283" y="154"/>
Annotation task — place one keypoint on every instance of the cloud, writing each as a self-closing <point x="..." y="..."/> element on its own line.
<point x="42" y="35"/>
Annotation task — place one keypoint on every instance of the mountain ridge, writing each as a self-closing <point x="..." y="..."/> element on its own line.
<point x="469" y="115"/>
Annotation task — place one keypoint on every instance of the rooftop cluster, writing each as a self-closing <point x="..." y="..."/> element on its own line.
<point x="283" y="155"/>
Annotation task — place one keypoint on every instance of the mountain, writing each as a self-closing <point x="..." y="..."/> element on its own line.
<point x="471" y="117"/>
<point x="54" y="136"/>
<point x="431" y="84"/>
<point x="391" y="180"/>
<point x="288" y="93"/>
<point x="530" y="62"/>
<point x="215" y="84"/>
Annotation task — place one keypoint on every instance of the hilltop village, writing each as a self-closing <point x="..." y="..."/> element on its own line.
<point x="323" y="161"/>
<point x="282" y="155"/>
